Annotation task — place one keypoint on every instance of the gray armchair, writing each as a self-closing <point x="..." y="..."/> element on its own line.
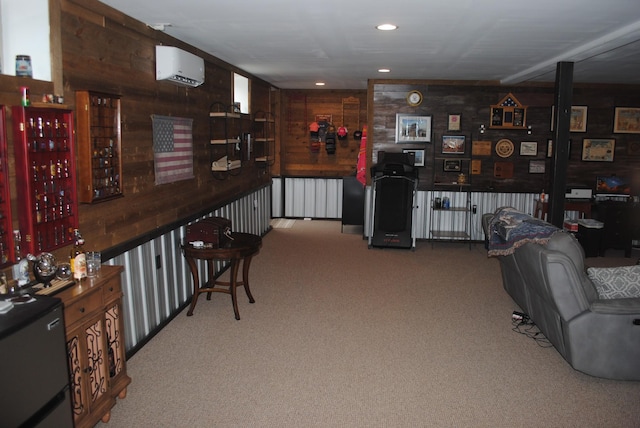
<point x="600" y="337"/>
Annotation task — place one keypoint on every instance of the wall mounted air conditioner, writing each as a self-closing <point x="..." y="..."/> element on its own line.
<point x="179" y="67"/>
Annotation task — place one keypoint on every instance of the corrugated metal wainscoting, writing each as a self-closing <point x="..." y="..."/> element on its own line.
<point x="321" y="198"/>
<point x="485" y="202"/>
<point x="297" y="197"/>
<point x="157" y="281"/>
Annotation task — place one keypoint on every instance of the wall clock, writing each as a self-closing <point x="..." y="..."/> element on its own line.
<point x="414" y="98"/>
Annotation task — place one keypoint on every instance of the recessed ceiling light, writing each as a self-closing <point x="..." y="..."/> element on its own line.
<point x="387" y="27"/>
<point x="384" y="70"/>
<point x="319" y="83"/>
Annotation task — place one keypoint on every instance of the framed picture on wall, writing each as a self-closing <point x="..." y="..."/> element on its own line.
<point x="451" y="165"/>
<point x="528" y="148"/>
<point x="626" y="120"/>
<point x="419" y="156"/>
<point x="537" y="167"/>
<point x="411" y="128"/>
<point x="453" y="124"/>
<point x="598" y="150"/>
<point x="453" y="144"/>
<point x="577" y="119"/>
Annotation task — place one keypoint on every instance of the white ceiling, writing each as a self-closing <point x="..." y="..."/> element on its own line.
<point x="294" y="43"/>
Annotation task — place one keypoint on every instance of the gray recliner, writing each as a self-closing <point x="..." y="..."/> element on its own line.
<point x="600" y="337"/>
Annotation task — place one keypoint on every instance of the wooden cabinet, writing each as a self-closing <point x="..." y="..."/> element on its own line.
<point x="45" y="177"/>
<point x="99" y="146"/>
<point x="95" y="345"/>
<point x="6" y="238"/>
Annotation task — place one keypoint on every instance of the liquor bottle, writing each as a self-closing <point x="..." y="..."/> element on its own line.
<point x="79" y="261"/>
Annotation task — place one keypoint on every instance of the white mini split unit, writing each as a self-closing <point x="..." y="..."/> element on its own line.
<point x="179" y="67"/>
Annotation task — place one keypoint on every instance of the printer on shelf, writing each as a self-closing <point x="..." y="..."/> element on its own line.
<point x="577" y="193"/>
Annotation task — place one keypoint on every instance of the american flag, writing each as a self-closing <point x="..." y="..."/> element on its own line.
<point x="172" y="148"/>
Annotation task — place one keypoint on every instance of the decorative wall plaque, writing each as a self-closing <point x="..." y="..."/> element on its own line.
<point x="476" y="166"/>
<point x="503" y="170"/>
<point x="504" y="148"/>
<point x="481" y="148"/>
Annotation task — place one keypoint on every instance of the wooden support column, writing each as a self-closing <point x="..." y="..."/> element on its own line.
<point x="560" y="160"/>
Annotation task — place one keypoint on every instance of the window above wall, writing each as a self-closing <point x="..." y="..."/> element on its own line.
<point x="24" y="30"/>
<point x="241" y="92"/>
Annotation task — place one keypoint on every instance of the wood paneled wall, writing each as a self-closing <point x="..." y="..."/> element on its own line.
<point x="106" y="51"/>
<point x="299" y="110"/>
<point x="472" y="101"/>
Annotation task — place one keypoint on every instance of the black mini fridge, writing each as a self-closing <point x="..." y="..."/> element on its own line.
<point x="34" y="370"/>
<point x="394" y="183"/>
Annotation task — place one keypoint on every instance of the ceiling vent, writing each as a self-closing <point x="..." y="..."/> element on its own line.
<point x="179" y="67"/>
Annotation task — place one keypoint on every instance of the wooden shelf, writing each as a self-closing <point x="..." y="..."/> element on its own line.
<point x="225" y="114"/>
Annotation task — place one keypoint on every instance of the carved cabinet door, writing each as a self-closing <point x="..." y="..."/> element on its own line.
<point x="88" y="366"/>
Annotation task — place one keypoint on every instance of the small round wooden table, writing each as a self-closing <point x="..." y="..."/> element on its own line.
<point x="241" y="248"/>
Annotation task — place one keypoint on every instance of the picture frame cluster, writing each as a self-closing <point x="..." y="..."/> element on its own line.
<point x="418" y="128"/>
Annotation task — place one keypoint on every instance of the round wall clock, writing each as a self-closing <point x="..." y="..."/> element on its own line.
<point x="414" y="98"/>
<point x="504" y="148"/>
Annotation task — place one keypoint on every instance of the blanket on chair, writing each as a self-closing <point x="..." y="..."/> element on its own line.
<point x="510" y="229"/>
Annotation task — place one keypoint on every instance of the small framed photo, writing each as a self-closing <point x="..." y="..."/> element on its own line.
<point x="626" y="120"/>
<point x="419" y="156"/>
<point x="537" y="167"/>
<point x="598" y="150"/>
<point x="528" y="148"/>
<point x="453" y="144"/>
<point x="453" y="124"/>
<point x="411" y="128"/>
<point x="452" y="165"/>
<point x="578" y="120"/>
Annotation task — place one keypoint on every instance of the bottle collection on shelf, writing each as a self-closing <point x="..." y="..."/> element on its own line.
<point x="47" y="136"/>
<point x="104" y="162"/>
<point x="52" y="179"/>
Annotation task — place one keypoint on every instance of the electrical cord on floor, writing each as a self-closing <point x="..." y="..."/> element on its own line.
<point x="525" y="326"/>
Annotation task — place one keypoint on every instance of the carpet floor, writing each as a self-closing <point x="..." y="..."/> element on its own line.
<point x="346" y="336"/>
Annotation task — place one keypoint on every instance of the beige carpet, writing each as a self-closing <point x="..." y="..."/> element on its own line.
<point x="346" y="336"/>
